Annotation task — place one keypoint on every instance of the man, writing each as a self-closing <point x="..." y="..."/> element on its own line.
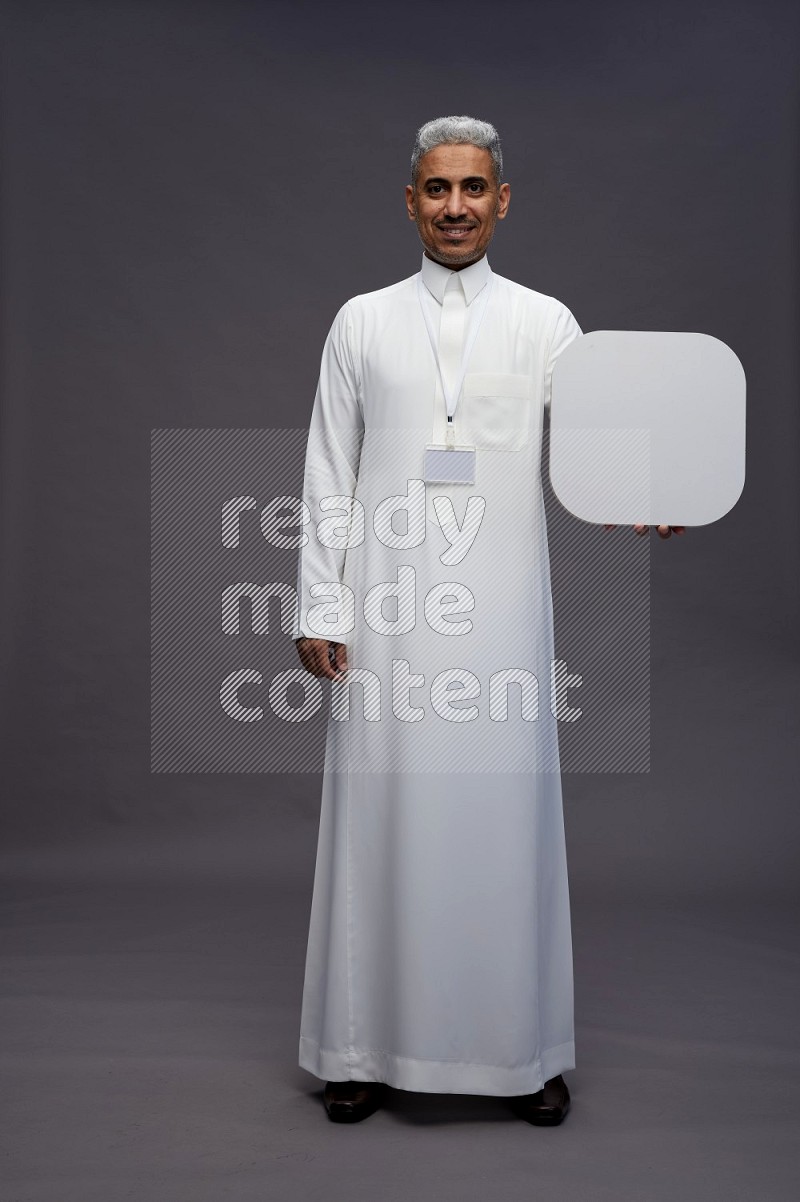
<point x="439" y="954"/>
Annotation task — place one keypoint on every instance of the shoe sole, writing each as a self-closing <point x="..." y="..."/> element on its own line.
<point x="348" y="1114"/>
<point x="543" y="1120"/>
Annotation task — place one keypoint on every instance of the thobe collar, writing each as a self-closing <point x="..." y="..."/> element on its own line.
<point x="473" y="278"/>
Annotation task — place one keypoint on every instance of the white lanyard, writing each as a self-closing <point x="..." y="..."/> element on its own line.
<point x="451" y="395"/>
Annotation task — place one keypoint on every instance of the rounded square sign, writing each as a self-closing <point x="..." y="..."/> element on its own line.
<point x="647" y="426"/>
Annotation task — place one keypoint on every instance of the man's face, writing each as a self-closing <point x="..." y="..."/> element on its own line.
<point x="456" y="204"/>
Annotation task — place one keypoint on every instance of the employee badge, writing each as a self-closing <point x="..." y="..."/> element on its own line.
<point x="451" y="462"/>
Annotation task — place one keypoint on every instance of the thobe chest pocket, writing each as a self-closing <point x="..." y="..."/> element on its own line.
<point x="494" y="413"/>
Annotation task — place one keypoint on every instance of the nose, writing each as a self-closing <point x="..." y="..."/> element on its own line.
<point x="455" y="204"/>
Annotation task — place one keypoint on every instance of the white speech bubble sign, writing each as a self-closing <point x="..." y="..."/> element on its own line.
<point x="648" y="426"/>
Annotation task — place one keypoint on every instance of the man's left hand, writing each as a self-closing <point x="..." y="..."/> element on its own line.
<point x="663" y="531"/>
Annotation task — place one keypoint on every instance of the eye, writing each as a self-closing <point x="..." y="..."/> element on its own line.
<point x="434" y="189"/>
<point x="476" y="188"/>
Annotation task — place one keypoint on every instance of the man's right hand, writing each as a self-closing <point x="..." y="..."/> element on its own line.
<point x="321" y="657"/>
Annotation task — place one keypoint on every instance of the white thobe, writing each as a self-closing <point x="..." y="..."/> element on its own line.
<point x="439" y="954"/>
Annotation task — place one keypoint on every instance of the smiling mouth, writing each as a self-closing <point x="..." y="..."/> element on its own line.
<point x="455" y="233"/>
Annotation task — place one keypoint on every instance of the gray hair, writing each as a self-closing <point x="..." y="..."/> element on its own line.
<point x="454" y="131"/>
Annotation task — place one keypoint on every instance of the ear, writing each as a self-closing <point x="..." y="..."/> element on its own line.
<point x="503" y="200"/>
<point x="410" y="203"/>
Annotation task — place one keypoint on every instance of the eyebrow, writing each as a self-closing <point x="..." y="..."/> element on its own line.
<point x="470" y="179"/>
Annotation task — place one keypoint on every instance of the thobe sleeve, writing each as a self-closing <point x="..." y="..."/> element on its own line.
<point x="333" y="452"/>
<point x="564" y="331"/>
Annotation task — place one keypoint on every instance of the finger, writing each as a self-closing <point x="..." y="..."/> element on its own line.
<point x="306" y="658"/>
<point x="314" y="662"/>
<point x="314" y="656"/>
<point x="641" y="529"/>
<point x="340" y="657"/>
<point x="326" y="667"/>
<point x="664" y="531"/>
<point x="679" y="529"/>
<point x="610" y="527"/>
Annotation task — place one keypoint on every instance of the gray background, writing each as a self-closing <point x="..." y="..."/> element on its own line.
<point x="189" y="193"/>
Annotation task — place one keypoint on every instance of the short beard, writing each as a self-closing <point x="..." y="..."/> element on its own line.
<point x="452" y="260"/>
<point x="447" y="258"/>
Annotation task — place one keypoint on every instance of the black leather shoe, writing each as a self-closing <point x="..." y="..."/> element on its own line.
<point x="352" y="1101"/>
<point x="547" y="1107"/>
